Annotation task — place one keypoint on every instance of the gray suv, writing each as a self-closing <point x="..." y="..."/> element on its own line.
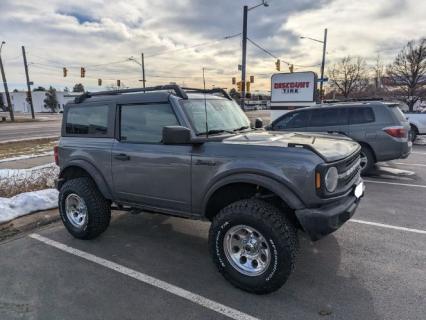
<point x="379" y="127"/>
<point x="192" y="153"/>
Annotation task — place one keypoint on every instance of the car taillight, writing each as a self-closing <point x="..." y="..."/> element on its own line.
<point x="396" y="132"/>
<point x="56" y="154"/>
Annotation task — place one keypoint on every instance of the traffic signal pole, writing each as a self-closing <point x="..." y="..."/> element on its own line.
<point x="324" y="49"/>
<point x="6" y="90"/>
<point x="243" y="62"/>
<point x="30" y="97"/>
<point x="143" y="70"/>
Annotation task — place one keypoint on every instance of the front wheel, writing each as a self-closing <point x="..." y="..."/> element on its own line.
<point x="253" y="245"/>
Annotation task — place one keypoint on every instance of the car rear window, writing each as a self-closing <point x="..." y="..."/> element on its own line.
<point x="87" y="120"/>
<point x="361" y="115"/>
<point x="397" y="113"/>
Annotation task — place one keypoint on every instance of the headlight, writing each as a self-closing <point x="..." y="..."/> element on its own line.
<point x="331" y="179"/>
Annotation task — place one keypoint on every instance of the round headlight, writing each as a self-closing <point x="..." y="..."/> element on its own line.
<point x="331" y="179"/>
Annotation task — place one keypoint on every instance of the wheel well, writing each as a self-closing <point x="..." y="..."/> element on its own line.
<point x="74" y="172"/>
<point x="238" y="191"/>
<point x="413" y="126"/>
<point x="366" y="145"/>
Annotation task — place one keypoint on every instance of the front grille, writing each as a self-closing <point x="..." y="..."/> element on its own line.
<point x="349" y="170"/>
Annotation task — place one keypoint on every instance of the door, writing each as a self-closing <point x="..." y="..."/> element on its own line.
<point x="144" y="170"/>
<point x="329" y="120"/>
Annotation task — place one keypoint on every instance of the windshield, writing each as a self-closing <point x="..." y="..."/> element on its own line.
<point x="222" y="116"/>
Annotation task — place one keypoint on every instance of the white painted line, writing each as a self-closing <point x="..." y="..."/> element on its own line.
<point x="397" y="184"/>
<point x="195" y="298"/>
<point x="410" y="164"/>
<point x="415" y="152"/>
<point x="388" y="226"/>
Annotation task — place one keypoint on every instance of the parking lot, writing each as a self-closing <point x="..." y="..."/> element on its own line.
<point x="150" y="266"/>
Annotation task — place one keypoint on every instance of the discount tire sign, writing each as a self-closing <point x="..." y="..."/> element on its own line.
<point x="293" y="87"/>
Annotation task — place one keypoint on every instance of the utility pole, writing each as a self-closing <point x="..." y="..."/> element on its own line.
<point x="324" y="49"/>
<point x="30" y="97"/>
<point x="6" y="89"/>
<point x="243" y="60"/>
<point x="143" y="70"/>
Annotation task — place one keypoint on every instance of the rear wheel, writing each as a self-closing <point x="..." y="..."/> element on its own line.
<point x="84" y="211"/>
<point x="367" y="159"/>
<point x="413" y="133"/>
<point x="253" y="245"/>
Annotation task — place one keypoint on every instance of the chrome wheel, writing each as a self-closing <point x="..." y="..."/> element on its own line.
<point x="247" y="250"/>
<point x="363" y="160"/>
<point x="76" y="210"/>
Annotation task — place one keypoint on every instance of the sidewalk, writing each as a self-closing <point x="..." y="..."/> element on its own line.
<point x="27" y="163"/>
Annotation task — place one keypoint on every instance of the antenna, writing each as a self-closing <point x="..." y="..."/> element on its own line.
<point x="205" y="105"/>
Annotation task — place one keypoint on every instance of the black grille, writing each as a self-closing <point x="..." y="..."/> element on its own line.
<point x="349" y="170"/>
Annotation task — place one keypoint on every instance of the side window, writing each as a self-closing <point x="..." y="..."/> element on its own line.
<point x="361" y="115"/>
<point x="87" y="120"/>
<point x="144" y="123"/>
<point x="329" y="117"/>
<point x="293" y="120"/>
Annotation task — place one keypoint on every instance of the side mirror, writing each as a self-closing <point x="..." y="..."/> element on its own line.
<point x="258" y="123"/>
<point x="176" y="135"/>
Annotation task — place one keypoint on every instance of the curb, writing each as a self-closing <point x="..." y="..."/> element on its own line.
<point x="27" y="223"/>
<point x="35" y="139"/>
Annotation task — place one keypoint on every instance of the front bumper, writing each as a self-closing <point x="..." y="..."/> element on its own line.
<point x="321" y="221"/>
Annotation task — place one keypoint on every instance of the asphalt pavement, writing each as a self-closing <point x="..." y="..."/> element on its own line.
<point x="49" y="126"/>
<point x="150" y="266"/>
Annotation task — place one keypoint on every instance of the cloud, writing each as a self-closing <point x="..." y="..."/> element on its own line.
<point x="101" y="35"/>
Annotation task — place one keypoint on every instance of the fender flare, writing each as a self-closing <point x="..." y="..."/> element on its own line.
<point x="92" y="171"/>
<point x="281" y="190"/>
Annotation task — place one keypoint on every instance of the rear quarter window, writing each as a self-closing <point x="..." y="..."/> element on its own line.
<point x="359" y="115"/>
<point x="397" y="113"/>
<point x="87" y="121"/>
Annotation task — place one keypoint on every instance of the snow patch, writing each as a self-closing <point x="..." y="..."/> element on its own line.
<point x="27" y="202"/>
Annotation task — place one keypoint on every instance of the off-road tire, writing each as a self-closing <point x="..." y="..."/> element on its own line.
<point x="370" y="160"/>
<point x="277" y="230"/>
<point x="98" y="208"/>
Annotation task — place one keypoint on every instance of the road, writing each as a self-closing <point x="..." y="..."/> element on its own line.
<point x="150" y="266"/>
<point x="25" y="130"/>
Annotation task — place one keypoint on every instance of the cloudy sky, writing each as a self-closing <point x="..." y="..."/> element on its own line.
<point x="180" y="37"/>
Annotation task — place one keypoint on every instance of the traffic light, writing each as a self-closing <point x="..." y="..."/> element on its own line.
<point x="291" y="68"/>
<point x="251" y="79"/>
<point x="234" y="80"/>
<point x="278" y="65"/>
<point x="248" y="86"/>
<point x="118" y="83"/>
<point x="239" y="87"/>
<point x="82" y="72"/>
<point x="99" y="82"/>
<point x="65" y="71"/>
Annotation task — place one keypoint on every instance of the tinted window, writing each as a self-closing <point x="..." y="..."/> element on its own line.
<point x="144" y="123"/>
<point x="360" y="115"/>
<point x="89" y="120"/>
<point x="329" y="117"/>
<point x="398" y="113"/>
<point x="293" y="120"/>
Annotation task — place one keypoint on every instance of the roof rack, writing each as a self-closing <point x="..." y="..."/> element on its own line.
<point x="178" y="91"/>
<point x="214" y="90"/>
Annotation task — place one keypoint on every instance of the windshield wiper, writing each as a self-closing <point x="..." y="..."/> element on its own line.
<point x="241" y="128"/>
<point x="214" y="131"/>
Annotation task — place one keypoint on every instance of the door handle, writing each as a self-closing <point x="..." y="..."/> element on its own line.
<point x="122" y="157"/>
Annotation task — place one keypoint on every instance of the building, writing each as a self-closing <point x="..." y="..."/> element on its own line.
<point x="20" y="103"/>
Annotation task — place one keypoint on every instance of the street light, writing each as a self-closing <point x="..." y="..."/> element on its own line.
<point x="142" y="64"/>
<point x="246" y="9"/>
<point x="324" y="47"/>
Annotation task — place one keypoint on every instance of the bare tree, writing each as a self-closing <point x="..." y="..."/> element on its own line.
<point x="408" y="72"/>
<point x="348" y="76"/>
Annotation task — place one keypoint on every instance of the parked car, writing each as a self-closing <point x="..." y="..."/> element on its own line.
<point x="380" y="128"/>
<point x="192" y="153"/>
<point x="417" y="122"/>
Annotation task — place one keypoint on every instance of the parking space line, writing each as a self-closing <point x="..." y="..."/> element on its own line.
<point x="185" y="294"/>
<point x="414" y="152"/>
<point x="410" y="164"/>
<point x="397" y="183"/>
<point x="388" y="226"/>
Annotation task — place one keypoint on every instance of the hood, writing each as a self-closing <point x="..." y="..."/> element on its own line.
<point x="329" y="147"/>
